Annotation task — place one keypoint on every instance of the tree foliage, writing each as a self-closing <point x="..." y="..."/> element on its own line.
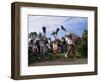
<point x="82" y="46"/>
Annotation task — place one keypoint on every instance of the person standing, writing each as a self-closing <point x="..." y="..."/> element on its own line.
<point x="55" y="47"/>
<point x="70" y="47"/>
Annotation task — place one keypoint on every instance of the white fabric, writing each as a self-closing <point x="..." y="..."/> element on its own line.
<point x="69" y="41"/>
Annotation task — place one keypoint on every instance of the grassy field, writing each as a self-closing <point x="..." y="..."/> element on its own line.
<point x="59" y="59"/>
<point x="61" y="62"/>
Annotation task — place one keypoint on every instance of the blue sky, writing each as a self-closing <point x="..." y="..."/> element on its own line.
<point x="72" y="24"/>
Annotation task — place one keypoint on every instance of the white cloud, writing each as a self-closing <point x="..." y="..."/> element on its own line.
<point x="37" y="22"/>
<point x="52" y="22"/>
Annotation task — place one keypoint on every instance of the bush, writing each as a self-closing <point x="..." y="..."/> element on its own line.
<point x="82" y="46"/>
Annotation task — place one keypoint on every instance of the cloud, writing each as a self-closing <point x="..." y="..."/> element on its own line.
<point x="51" y="22"/>
<point x="76" y="24"/>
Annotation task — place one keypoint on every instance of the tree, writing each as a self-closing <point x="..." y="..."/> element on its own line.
<point x="54" y="34"/>
<point x="85" y="43"/>
<point x="82" y="46"/>
<point x="84" y="36"/>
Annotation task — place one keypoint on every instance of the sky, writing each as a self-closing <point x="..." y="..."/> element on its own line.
<point x="72" y="24"/>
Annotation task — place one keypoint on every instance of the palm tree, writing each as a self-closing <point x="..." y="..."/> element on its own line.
<point x="54" y="34"/>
